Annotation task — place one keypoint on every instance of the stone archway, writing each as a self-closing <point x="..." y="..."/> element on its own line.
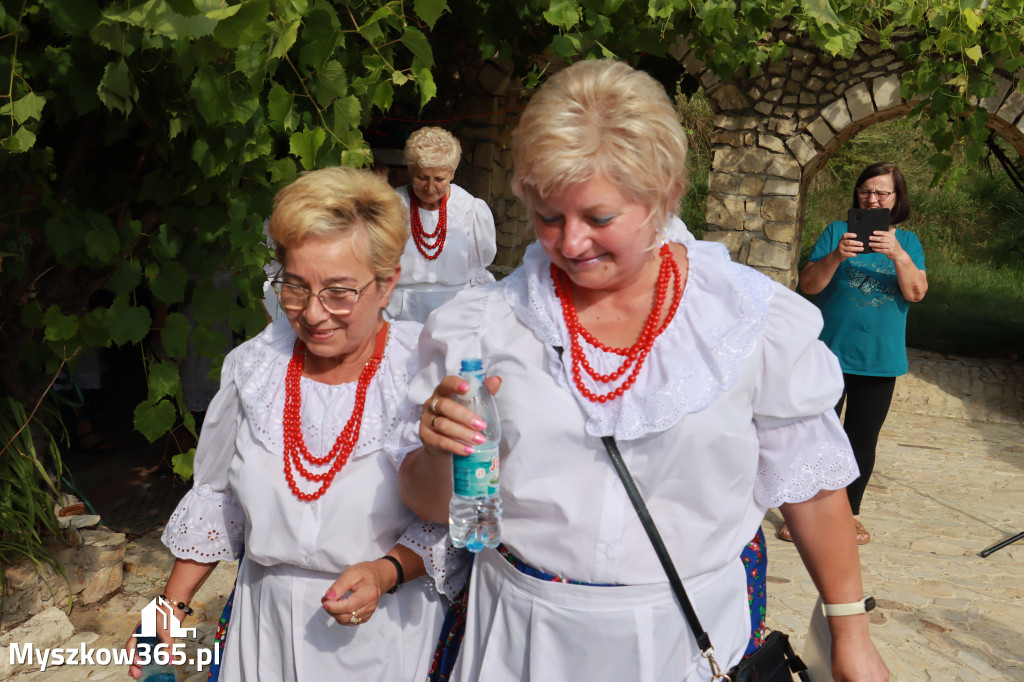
<point x="775" y="130"/>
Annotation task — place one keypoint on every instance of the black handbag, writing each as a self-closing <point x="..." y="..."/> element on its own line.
<point x="774" y="661"/>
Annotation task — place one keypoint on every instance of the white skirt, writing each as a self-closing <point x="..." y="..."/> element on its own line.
<point x="279" y="630"/>
<point x="521" y="628"/>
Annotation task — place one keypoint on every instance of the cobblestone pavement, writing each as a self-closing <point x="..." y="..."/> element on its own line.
<point x="948" y="483"/>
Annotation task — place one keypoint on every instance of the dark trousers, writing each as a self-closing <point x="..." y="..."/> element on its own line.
<point x="867" y="404"/>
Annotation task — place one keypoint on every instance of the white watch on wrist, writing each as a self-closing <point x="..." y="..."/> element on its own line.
<point x="851" y="609"/>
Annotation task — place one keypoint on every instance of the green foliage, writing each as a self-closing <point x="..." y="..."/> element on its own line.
<point x="143" y="144"/>
<point x="143" y="140"/>
<point x="27" y="494"/>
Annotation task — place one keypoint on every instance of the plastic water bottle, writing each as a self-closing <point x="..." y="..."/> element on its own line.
<point x="153" y="671"/>
<point x="474" y="515"/>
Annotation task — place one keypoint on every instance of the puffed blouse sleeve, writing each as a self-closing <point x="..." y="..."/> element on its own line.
<point x="484" y="243"/>
<point x="208" y="525"/>
<point x="803" y="448"/>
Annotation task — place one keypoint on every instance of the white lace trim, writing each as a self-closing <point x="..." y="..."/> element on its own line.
<point x="259" y="373"/>
<point x="445" y="564"/>
<point x="480" y="276"/>
<point x="719" y="316"/>
<point x="207" y="526"/>
<point x="801" y="457"/>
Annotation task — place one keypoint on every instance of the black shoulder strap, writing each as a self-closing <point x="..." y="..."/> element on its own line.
<point x="703" y="640"/>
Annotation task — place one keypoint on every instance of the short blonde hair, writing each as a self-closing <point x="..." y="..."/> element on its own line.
<point x="339" y="201"/>
<point x="602" y="117"/>
<point x="433" y="147"/>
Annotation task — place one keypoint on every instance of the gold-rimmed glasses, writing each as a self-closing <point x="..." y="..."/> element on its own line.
<point x="335" y="300"/>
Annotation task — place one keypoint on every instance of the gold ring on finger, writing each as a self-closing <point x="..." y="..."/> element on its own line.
<point x="433" y="404"/>
<point x="354" y="620"/>
<point x="432" y="423"/>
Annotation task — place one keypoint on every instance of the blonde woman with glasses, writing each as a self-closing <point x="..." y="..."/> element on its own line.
<point x="864" y="298"/>
<point x="298" y="459"/>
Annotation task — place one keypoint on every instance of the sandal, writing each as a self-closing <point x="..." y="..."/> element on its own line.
<point x="784" y="534"/>
<point x="861" y="531"/>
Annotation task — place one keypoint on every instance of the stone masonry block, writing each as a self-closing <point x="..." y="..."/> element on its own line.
<point x="750" y="186"/>
<point x="727" y="122"/>
<point x="766" y="254"/>
<point x="784" y="126"/>
<point x="808" y="98"/>
<point x="837" y="114"/>
<point x="781" y="232"/>
<point x="771" y="142"/>
<point x="764" y="108"/>
<point x="733" y="240"/>
<point x="803" y="149"/>
<point x="820" y="131"/>
<point x="859" y="100"/>
<point x="724" y="183"/>
<point x="784" y="166"/>
<point x="746" y="160"/>
<point x="725" y="212"/>
<point x="870" y="49"/>
<point x="784" y="187"/>
<point x="1002" y="87"/>
<point x="886" y="91"/>
<point x="1012" y="107"/>
<point x="779" y="209"/>
<point x="729" y="98"/>
<point x="773" y="95"/>
<point x="732" y="138"/>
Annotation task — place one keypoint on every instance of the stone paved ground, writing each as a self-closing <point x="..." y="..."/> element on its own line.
<point x="949" y="482"/>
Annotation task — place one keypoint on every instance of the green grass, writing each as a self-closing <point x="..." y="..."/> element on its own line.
<point x="973" y="234"/>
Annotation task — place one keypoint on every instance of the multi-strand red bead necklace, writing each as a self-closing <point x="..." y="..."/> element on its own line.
<point x="427" y="243"/>
<point x="295" y="445"/>
<point x="636" y="354"/>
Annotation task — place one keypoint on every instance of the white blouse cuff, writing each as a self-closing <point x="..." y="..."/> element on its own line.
<point x="207" y="526"/>
<point x="480" y="276"/>
<point x="445" y="564"/>
<point x="801" y="457"/>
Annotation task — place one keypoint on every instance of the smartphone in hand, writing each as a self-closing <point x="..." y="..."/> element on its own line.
<point x="865" y="221"/>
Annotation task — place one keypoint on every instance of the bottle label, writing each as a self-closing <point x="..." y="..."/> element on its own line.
<point x="476" y="475"/>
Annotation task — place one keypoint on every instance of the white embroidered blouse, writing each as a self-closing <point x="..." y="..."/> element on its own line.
<point x="731" y="414"/>
<point x="240" y="491"/>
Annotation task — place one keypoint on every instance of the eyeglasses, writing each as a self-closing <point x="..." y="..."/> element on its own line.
<point x="335" y="300"/>
<point x="880" y="193"/>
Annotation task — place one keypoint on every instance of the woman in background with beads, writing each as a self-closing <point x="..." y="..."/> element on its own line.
<point x="617" y="325"/>
<point x="452" y="232"/>
<point x="300" y="454"/>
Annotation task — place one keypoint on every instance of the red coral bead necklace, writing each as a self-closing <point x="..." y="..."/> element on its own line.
<point x="295" y="445"/>
<point x="426" y="242"/>
<point x="635" y="355"/>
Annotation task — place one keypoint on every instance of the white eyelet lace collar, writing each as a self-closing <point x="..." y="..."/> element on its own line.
<point x="259" y="373"/>
<point x="696" y="358"/>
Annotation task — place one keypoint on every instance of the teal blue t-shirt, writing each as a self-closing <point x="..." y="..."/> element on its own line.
<point x="864" y="311"/>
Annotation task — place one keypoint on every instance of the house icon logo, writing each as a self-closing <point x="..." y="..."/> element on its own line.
<point x="161" y="609"/>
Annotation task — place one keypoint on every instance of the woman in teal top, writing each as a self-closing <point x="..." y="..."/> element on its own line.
<point x="864" y="299"/>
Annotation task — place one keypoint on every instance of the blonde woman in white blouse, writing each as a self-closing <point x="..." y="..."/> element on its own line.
<point x="298" y="459"/>
<point x="452" y="233"/>
<point x="708" y="374"/>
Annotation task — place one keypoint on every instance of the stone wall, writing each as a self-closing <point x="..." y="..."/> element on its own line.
<point x="489" y="112"/>
<point x="774" y="131"/>
<point x="93" y="561"/>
